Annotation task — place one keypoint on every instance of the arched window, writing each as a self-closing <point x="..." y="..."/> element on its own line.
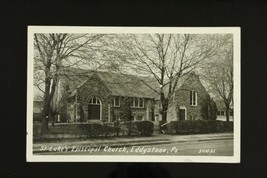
<point x="94" y="100"/>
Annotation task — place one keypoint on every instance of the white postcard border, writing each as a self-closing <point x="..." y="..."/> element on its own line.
<point x="30" y="157"/>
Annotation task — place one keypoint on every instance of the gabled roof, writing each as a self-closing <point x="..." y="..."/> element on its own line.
<point x="119" y="84"/>
<point x="221" y="106"/>
<point x="127" y="85"/>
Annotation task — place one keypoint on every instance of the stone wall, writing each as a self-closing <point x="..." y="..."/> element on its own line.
<point x="94" y="87"/>
<point x="182" y="99"/>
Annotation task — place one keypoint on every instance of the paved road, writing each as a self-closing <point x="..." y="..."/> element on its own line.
<point x="218" y="147"/>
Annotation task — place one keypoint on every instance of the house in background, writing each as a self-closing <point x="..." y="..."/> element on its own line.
<point x="90" y="96"/>
<point x="38" y="106"/>
<point x="221" y="111"/>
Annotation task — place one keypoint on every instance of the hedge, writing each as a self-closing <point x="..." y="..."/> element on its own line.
<point x="145" y="128"/>
<point x="98" y="130"/>
<point x="198" y="127"/>
<point x="139" y="128"/>
<point x="94" y="130"/>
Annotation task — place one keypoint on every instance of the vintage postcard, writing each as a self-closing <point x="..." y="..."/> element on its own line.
<point x="133" y="94"/>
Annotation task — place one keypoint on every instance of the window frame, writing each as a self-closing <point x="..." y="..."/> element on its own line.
<point x="137" y="101"/>
<point x="193" y="98"/>
<point x="114" y="101"/>
<point x="143" y="102"/>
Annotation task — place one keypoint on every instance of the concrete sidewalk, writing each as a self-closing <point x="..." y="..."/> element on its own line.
<point x="132" y="141"/>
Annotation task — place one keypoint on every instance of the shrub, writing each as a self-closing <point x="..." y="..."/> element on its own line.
<point x="145" y="128"/>
<point x="137" y="128"/>
<point x="84" y="129"/>
<point x="94" y="130"/>
<point x="228" y="126"/>
<point x="129" y="128"/>
<point x="199" y="126"/>
<point x="98" y="130"/>
<point x="63" y="117"/>
<point x="36" y="130"/>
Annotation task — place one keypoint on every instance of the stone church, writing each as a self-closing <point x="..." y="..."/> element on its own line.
<point x="97" y="96"/>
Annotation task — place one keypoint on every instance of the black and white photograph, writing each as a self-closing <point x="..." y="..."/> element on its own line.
<point x="133" y="94"/>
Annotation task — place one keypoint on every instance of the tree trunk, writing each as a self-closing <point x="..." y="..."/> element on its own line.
<point x="164" y="112"/>
<point x="45" y="118"/>
<point x="44" y="128"/>
<point x="162" y="125"/>
<point x="227" y="113"/>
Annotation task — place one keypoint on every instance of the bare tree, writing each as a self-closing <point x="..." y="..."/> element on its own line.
<point x="167" y="58"/>
<point x="53" y="52"/>
<point x="218" y="73"/>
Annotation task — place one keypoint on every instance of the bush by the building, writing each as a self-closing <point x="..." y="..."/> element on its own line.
<point x="198" y="127"/>
<point x="95" y="130"/>
<point x="145" y="128"/>
<point x="137" y="128"/>
<point x="98" y="130"/>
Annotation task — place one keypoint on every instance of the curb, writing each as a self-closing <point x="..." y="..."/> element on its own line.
<point x="225" y="138"/>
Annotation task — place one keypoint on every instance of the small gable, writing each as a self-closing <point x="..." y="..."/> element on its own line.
<point x="93" y="86"/>
<point x="192" y="82"/>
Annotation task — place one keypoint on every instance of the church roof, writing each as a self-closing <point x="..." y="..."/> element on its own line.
<point x="119" y="84"/>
